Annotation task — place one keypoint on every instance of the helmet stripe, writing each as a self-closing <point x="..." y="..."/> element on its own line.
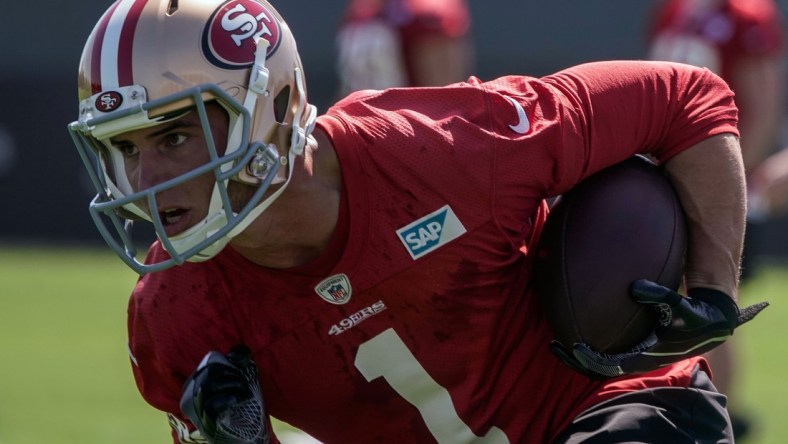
<point x="125" y="74"/>
<point x="95" y="57"/>
<point x="115" y="49"/>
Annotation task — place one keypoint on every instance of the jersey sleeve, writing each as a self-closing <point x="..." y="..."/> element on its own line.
<point x="656" y="108"/>
<point x="591" y="116"/>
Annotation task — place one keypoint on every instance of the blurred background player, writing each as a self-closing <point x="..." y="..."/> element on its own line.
<point x="769" y="185"/>
<point x="742" y="41"/>
<point x="392" y="43"/>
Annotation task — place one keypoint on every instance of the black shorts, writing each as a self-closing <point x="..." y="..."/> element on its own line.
<point x="696" y="414"/>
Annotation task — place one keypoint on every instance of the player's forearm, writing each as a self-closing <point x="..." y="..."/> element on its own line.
<point x="709" y="179"/>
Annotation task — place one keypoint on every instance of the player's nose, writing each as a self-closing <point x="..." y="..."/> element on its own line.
<point x="151" y="170"/>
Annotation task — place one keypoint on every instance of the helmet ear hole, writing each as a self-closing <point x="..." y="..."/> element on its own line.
<point x="281" y="104"/>
<point x="172" y="8"/>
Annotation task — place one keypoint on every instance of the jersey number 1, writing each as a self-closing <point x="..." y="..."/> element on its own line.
<point x="387" y="356"/>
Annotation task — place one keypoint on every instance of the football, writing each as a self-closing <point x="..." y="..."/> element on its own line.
<point x="619" y="225"/>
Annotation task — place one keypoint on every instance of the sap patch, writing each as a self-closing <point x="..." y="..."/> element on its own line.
<point x="431" y="232"/>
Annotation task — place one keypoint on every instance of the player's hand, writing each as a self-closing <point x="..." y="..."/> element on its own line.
<point x="688" y="326"/>
<point x="222" y="399"/>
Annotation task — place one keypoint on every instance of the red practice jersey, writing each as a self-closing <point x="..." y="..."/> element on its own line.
<point x="418" y="324"/>
<point x="719" y="36"/>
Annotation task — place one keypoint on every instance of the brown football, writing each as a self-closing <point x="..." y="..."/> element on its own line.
<point x="619" y="225"/>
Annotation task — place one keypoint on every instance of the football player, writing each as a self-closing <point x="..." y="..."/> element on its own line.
<point x="365" y="275"/>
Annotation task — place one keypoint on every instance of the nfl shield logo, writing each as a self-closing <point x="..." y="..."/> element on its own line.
<point x="335" y="289"/>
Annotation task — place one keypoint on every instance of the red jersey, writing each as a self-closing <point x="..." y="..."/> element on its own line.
<point x="717" y="35"/>
<point x="418" y="324"/>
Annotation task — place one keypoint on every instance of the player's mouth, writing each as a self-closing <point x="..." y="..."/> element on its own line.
<point x="175" y="220"/>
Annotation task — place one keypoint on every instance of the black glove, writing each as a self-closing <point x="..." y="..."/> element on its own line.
<point x="688" y="326"/>
<point x="222" y="399"/>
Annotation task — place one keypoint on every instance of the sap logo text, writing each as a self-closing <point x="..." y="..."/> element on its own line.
<point x="424" y="236"/>
<point x="431" y="232"/>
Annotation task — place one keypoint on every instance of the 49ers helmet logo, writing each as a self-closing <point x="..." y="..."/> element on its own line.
<point x="108" y="101"/>
<point x="229" y="37"/>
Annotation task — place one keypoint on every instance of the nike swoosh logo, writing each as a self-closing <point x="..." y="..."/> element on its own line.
<point x="523" y="125"/>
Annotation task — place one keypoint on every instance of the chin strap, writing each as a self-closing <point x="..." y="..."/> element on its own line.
<point x="300" y="137"/>
<point x="300" y="134"/>
<point x="258" y="77"/>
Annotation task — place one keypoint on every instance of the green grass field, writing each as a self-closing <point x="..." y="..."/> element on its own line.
<point x="65" y="375"/>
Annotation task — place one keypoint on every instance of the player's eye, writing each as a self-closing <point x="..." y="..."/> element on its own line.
<point x="174" y="139"/>
<point x="127" y="149"/>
